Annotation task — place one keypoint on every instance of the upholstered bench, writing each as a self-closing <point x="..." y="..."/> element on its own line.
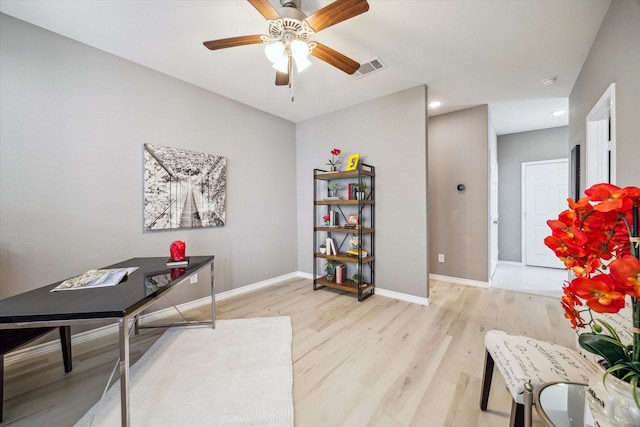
<point x="11" y="339"/>
<point x="522" y="360"/>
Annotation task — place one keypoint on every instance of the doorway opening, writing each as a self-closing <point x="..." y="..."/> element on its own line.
<point x="601" y="140"/>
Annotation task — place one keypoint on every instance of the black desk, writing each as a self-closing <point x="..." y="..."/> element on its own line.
<point x="121" y="303"/>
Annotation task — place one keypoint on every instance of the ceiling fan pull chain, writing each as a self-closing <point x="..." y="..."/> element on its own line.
<point x="291" y="87"/>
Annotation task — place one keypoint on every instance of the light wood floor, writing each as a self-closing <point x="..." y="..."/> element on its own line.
<point x="381" y="362"/>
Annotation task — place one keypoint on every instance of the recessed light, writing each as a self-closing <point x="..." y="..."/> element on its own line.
<point x="559" y="113"/>
<point x="549" y="81"/>
<point x="435" y="104"/>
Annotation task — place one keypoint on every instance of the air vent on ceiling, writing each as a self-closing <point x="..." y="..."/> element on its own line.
<point x="369" y="67"/>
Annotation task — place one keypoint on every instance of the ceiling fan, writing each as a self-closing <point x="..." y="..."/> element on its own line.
<point x="289" y="35"/>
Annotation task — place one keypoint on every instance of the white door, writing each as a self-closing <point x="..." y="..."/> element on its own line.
<point x="544" y="195"/>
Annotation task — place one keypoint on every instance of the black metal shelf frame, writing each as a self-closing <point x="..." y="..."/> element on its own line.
<point x="364" y="173"/>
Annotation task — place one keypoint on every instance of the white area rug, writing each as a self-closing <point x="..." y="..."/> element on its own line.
<point x="238" y="374"/>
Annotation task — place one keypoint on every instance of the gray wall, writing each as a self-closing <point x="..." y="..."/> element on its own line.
<point x="458" y="221"/>
<point x="614" y="58"/>
<point x="513" y="150"/>
<point x="390" y="134"/>
<point x="74" y="120"/>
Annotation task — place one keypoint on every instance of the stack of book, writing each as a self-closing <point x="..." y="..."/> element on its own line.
<point x="333" y="218"/>
<point x="331" y="247"/>
<point x="172" y="263"/>
<point x="357" y="252"/>
<point x="341" y="270"/>
<point x="351" y="191"/>
<point x="353" y="226"/>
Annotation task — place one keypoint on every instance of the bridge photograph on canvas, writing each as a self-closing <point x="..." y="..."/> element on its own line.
<point x="183" y="189"/>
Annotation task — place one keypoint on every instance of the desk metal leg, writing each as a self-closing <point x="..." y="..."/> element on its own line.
<point x="213" y="299"/>
<point x="124" y="371"/>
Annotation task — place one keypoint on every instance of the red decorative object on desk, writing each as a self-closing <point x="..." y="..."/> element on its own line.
<point x="177" y="250"/>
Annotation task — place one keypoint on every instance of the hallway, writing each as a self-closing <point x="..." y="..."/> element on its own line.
<point x="530" y="280"/>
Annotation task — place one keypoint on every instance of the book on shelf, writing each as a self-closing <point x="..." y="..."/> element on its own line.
<point x="331" y="247"/>
<point x="171" y="263"/>
<point x="333" y="218"/>
<point x="96" y="279"/>
<point x="358" y="252"/>
<point x="351" y="191"/>
<point x="340" y="272"/>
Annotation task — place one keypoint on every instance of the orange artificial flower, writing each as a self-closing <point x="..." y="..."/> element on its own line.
<point x="569" y="303"/>
<point x="594" y="230"/>
<point x="599" y="292"/>
<point x="625" y="272"/>
<point x="611" y="197"/>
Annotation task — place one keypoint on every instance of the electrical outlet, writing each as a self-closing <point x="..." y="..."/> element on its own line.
<point x="440" y="257"/>
<point x="193" y="279"/>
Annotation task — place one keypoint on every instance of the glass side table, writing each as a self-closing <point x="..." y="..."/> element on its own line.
<point x="564" y="404"/>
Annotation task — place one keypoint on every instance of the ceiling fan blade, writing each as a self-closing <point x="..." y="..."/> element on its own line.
<point x="335" y="58"/>
<point x="232" y="42"/>
<point x="282" y="79"/>
<point x="336" y="12"/>
<point x="265" y="8"/>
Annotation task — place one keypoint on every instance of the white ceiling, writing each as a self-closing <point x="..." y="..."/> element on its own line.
<point x="468" y="52"/>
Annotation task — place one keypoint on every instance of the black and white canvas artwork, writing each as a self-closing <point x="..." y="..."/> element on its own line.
<point x="183" y="189"/>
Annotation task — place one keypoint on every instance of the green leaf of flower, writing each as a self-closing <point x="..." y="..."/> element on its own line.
<point x="613" y="351"/>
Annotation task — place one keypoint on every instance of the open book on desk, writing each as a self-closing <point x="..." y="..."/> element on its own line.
<point x="96" y="279"/>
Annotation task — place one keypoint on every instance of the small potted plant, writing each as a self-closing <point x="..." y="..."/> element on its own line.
<point x="330" y="268"/>
<point x="333" y="188"/>
<point x="360" y="188"/>
<point x="323" y="248"/>
<point x="333" y="161"/>
<point x="356" y="277"/>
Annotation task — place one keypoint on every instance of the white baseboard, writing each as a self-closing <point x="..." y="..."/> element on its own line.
<point x="516" y="263"/>
<point x="385" y="293"/>
<point x="254" y="286"/>
<point x="112" y="328"/>
<point x="402" y="297"/>
<point x="305" y="275"/>
<point x="459" y="281"/>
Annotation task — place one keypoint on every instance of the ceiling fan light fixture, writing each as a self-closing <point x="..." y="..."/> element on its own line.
<point x="275" y="52"/>
<point x="302" y="64"/>
<point x="290" y="31"/>
<point x="282" y="64"/>
<point x="299" y="49"/>
<point x="300" y="52"/>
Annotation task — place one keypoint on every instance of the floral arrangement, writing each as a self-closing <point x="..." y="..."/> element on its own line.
<point x="597" y="239"/>
<point x="326" y="218"/>
<point x="334" y="162"/>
